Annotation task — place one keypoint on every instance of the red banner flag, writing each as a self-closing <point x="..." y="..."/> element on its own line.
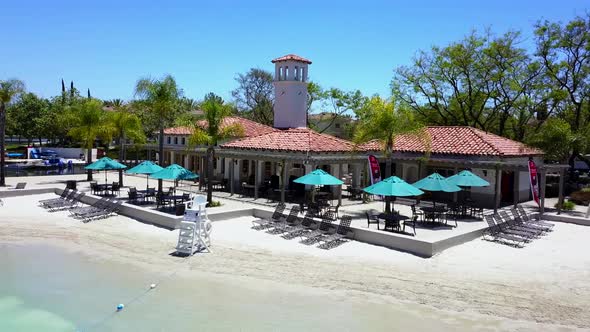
<point x="534" y="181"/>
<point x="374" y="169"/>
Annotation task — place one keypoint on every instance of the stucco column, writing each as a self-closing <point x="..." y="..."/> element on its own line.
<point x="231" y="176"/>
<point x="172" y="155"/>
<point x="542" y="187"/>
<point x="186" y="162"/>
<point x="284" y="181"/>
<point x="257" y="176"/>
<point x="356" y="175"/>
<point x="561" y="185"/>
<point x="498" y="190"/>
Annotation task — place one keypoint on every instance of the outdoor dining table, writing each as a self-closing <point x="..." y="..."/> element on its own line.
<point x="104" y="188"/>
<point x="174" y="198"/>
<point x="433" y="213"/>
<point x="392" y="220"/>
<point x="146" y="193"/>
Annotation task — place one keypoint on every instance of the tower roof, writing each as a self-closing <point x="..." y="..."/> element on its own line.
<point x="291" y="57"/>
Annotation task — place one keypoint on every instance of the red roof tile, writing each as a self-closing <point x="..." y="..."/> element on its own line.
<point x="291" y="57"/>
<point x="251" y="128"/>
<point x="295" y="139"/>
<point x="458" y="140"/>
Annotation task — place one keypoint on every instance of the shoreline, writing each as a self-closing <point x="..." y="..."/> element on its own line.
<point x="498" y="286"/>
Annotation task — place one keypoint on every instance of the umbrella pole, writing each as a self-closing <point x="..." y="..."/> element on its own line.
<point x="147" y="182"/>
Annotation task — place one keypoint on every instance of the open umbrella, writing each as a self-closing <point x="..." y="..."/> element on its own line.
<point x="436" y="182"/>
<point x="146" y="167"/>
<point x="319" y="177"/>
<point x="174" y="172"/>
<point x="393" y="186"/>
<point x="105" y="163"/>
<point x="467" y="179"/>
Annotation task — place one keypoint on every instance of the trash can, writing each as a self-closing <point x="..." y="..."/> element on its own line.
<point x="180" y="209"/>
<point x="71" y="184"/>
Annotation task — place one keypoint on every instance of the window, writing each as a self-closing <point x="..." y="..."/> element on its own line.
<point x="169" y="139"/>
<point x="337" y="125"/>
<point x="286" y="77"/>
<point x="296" y="73"/>
<point x="175" y="140"/>
<point x="183" y="141"/>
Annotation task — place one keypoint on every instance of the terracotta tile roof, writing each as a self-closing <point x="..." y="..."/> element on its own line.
<point x="295" y="140"/>
<point x="251" y="128"/>
<point x="459" y="140"/>
<point x="291" y="57"/>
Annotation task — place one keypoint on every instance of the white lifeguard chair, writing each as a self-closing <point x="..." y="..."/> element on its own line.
<point x="195" y="228"/>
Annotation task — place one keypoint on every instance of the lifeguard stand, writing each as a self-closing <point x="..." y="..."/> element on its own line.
<point x="195" y="228"/>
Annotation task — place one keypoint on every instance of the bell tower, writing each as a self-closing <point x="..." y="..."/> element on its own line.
<point x="290" y="83"/>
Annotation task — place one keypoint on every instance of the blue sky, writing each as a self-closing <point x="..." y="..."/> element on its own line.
<point x="107" y="45"/>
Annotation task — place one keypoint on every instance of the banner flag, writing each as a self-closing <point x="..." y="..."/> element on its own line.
<point x="534" y="181"/>
<point x="374" y="170"/>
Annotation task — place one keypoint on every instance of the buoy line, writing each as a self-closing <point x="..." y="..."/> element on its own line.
<point x="121" y="306"/>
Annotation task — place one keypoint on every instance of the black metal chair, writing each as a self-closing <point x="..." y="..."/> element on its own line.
<point x="372" y="218"/>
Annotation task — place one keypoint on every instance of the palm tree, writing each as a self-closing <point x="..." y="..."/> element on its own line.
<point x="215" y="111"/>
<point x="8" y="89"/>
<point x="380" y="120"/>
<point x="90" y="123"/>
<point x="162" y="98"/>
<point x="125" y="125"/>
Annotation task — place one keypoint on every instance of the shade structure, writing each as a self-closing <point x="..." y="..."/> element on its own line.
<point x="393" y="186"/>
<point x="436" y="182"/>
<point x="105" y="163"/>
<point x="146" y="167"/>
<point x="319" y="178"/>
<point x="174" y="172"/>
<point x="467" y="179"/>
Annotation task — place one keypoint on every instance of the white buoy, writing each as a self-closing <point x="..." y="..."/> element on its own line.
<point x="120" y="307"/>
<point x="152" y="286"/>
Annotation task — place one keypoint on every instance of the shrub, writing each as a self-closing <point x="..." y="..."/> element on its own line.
<point x="567" y="205"/>
<point x="581" y="196"/>
<point x="214" y="204"/>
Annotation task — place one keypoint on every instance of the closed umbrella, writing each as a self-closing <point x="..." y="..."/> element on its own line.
<point x="436" y="182"/>
<point x="393" y="186"/>
<point x="146" y="167"/>
<point x="105" y="163"/>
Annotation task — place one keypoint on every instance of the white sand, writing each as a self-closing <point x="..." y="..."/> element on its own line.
<point x="544" y="284"/>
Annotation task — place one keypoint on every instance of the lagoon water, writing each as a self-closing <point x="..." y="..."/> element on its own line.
<point x="44" y="288"/>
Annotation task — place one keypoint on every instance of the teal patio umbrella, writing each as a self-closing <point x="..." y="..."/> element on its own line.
<point x="467" y="179"/>
<point x="146" y="167"/>
<point x="174" y="172"/>
<point x="393" y="186"/>
<point x="319" y="177"/>
<point x="436" y="182"/>
<point x="105" y="163"/>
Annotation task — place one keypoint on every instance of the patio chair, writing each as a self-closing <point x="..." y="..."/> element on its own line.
<point x="411" y="222"/>
<point x="334" y="210"/>
<point x="525" y="217"/>
<point x="276" y="215"/>
<point x="372" y="218"/>
<point x="477" y="212"/>
<point x="495" y="233"/>
<point x="305" y="226"/>
<point x="116" y="188"/>
<point x="534" y="231"/>
<point x="63" y="195"/>
<point x="291" y="220"/>
<point x="342" y="232"/>
<point x="417" y="213"/>
<point x="323" y="229"/>
<point x="93" y="188"/>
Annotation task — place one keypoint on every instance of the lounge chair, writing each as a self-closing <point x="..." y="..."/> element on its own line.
<point x="495" y="232"/>
<point x="276" y="215"/>
<point x="306" y="224"/>
<point x="525" y="218"/>
<point x="112" y="207"/>
<point x="20" y="185"/>
<point x="512" y="224"/>
<point x="80" y="212"/>
<point x="68" y="202"/>
<point x="281" y="226"/>
<point x="324" y="228"/>
<point x="63" y="195"/>
<point x="343" y="231"/>
<point x="518" y="220"/>
<point x="506" y="229"/>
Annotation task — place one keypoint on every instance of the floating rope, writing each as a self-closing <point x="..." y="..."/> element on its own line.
<point x="121" y="306"/>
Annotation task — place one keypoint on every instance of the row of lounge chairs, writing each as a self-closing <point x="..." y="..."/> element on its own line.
<point x="71" y="200"/>
<point x="310" y="230"/>
<point x="515" y="229"/>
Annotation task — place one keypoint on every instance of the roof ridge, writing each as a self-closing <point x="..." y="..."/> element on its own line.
<point x="478" y="132"/>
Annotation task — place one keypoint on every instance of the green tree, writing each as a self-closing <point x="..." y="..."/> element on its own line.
<point x="25" y="112"/>
<point x="382" y="120"/>
<point x="161" y="99"/>
<point x="557" y="139"/>
<point x="254" y="95"/>
<point x="90" y="123"/>
<point x="125" y="125"/>
<point x="564" y="51"/>
<point x="8" y="90"/>
<point x="215" y="111"/>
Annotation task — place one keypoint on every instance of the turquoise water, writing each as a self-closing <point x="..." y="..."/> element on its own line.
<point x="46" y="289"/>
